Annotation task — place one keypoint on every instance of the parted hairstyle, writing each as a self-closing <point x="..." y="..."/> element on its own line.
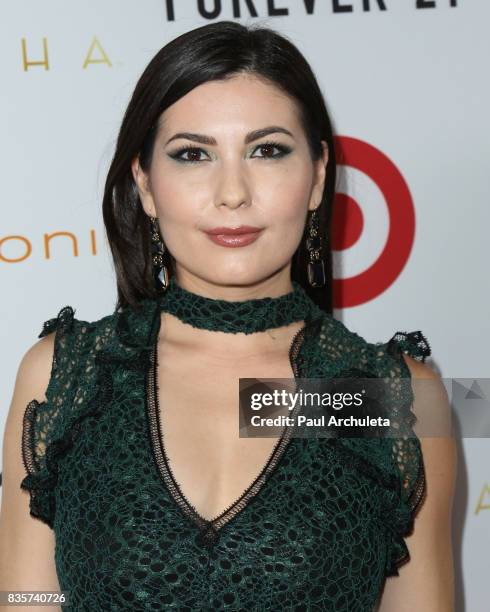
<point x="212" y="52"/>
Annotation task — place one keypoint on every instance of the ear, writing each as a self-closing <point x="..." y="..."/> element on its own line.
<point x="320" y="173"/>
<point x="142" y="182"/>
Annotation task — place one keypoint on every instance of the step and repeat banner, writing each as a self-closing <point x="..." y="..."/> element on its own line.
<point x="404" y="81"/>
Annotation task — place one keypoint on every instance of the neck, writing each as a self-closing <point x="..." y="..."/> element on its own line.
<point x="272" y="287"/>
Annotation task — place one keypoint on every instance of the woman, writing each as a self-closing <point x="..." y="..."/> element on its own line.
<point x="133" y="458"/>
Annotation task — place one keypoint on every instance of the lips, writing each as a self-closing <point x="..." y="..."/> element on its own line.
<point x="234" y="236"/>
<point x="233" y="231"/>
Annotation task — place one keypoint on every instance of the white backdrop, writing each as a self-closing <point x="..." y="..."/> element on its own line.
<point x="406" y="78"/>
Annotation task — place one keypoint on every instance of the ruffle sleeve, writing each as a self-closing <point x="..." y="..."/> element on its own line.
<point x="41" y="422"/>
<point x="81" y="386"/>
<point x="405" y="499"/>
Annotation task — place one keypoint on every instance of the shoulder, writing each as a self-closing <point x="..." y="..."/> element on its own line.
<point x="66" y="323"/>
<point x="68" y="328"/>
<point x="63" y="334"/>
<point x="432" y="409"/>
<point x="339" y="342"/>
<point x="420" y="369"/>
<point x="47" y="373"/>
<point x="404" y="354"/>
<point x="35" y="368"/>
<point x="414" y="389"/>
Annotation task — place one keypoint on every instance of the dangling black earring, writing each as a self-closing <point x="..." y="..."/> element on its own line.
<point x="160" y="272"/>
<point x="316" y="269"/>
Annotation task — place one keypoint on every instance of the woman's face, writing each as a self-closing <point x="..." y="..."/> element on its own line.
<point x="222" y="175"/>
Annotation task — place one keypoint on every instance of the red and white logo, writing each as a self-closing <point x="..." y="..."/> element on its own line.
<point x="349" y="223"/>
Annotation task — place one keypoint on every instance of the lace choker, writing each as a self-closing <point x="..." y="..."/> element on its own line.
<point x="246" y="316"/>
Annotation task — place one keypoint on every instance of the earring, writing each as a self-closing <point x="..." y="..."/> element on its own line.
<point x="316" y="269"/>
<point x="160" y="272"/>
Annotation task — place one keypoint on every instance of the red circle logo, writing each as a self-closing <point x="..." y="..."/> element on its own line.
<point x="347" y="223"/>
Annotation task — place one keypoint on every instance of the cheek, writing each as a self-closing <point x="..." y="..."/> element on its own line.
<point x="172" y="197"/>
<point x="285" y="202"/>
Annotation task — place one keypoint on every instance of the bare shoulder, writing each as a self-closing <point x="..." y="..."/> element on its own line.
<point x="419" y="369"/>
<point x="431" y="403"/>
<point x="35" y="367"/>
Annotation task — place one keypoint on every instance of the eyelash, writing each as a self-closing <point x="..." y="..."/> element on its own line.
<point x="284" y="150"/>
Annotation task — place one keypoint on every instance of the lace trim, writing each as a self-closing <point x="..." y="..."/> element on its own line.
<point x="62" y="322"/>
<point x="209" y="528"/>
<point x="246" y="316"/>
<point x="41" y="505"/>
<point x="414" y="343"/>
<point x="417" y="346"/>
<point x="400" y="553"/>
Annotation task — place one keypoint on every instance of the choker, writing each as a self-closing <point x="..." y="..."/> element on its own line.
<point x="246" y="316"/>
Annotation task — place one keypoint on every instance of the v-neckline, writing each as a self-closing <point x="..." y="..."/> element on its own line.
<point x="209" y="528"/>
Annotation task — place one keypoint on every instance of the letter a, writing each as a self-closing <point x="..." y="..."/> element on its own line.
<point x="98" y="60"/>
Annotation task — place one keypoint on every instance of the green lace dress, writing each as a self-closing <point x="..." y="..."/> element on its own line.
<point x="320" y="528"/>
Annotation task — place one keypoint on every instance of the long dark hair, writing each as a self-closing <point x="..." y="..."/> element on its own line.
<point x="212" y="52"/>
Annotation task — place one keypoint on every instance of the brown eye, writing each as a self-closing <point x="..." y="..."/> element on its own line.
<point x="193" y="154"/>
<point x="267" y="150"/>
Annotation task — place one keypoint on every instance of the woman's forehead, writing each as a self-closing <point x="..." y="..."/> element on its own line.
<point x="241" y="103"/>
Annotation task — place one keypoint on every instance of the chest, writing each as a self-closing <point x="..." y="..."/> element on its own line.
<point x="198" y="411"/>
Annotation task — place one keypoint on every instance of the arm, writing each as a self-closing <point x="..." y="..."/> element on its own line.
<point x="27" y="550"/>
<point x="426" y="582"/>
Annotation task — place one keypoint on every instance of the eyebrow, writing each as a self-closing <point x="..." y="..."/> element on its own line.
<point x="250" y="137"/>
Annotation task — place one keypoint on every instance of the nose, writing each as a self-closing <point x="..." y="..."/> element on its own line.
<point x="232" y="188"/>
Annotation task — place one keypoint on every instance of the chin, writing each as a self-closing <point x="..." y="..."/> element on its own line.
<point x="236" y="280"/>
<point x="242" y="278"/>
